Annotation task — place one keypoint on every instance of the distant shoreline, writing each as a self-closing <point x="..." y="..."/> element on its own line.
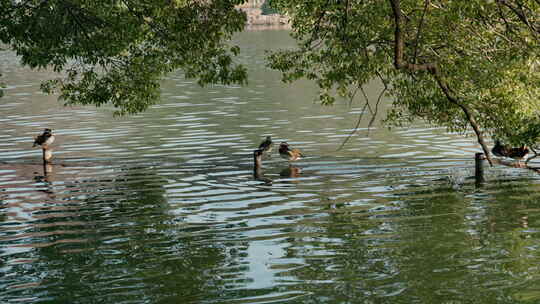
<point x="265" y="27"/>
<point x="255" y="18"/>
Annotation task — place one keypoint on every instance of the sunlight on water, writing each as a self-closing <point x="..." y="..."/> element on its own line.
<point x="163" y="207"/>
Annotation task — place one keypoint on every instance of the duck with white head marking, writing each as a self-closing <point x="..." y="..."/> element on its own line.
<point x="44" y="139"/>
<point x="289" y="154"/>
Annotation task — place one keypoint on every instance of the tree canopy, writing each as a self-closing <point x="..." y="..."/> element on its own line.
<point x="459" y="64"/>
<point x="266" y="9"/>
<point x="452" y="63"/>
<point x="116" y="51"/>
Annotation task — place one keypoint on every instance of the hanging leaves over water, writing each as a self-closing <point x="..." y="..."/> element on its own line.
<point x="458" y="64"/>
<point x="116" y="52"/>
<point x="451" y="63"/>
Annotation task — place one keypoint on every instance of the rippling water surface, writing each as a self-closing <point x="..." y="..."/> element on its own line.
<point x="163" y="207"/>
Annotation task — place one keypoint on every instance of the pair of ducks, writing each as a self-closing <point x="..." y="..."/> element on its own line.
<point x="284" y="150"/>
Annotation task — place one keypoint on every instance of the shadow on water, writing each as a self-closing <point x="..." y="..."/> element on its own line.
<point x="103" y="228"/>
<point x="430" y="232"/>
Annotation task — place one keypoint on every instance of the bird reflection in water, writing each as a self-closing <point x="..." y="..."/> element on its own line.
<point x="46" y="178"/>
<point x="291" y="172"/>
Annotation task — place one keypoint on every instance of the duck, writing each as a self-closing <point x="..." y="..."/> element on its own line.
<point x="44" y="139"/>
<point x="501" y="150"/>
<point x="289" y="154"/>
<point x="267" y="145"/>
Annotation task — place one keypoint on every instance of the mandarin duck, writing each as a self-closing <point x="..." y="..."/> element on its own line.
<point x="44" y="139"/>
<point x="501" y="150"/>
<point x="289" y="154"/>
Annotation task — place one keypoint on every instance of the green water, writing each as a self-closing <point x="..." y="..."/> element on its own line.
<point x="163" y="207"/>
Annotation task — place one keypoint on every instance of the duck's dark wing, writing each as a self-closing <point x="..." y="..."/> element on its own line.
<point x="500" y="150"/>
<point x="518" y="152"/>
<point x="39" y="140"/>
<point x="265" y="145"/>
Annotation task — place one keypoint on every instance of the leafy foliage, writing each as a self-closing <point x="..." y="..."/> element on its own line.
<point x="266" y="9"/>
<point x="487" y="53"/>
<point x="116" y="51"/>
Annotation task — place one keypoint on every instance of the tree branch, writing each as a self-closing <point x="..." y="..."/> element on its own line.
<point x="434" y="70"/>
<point x="418" y="33"/>
<point x="520" y="13"/>
<point x="315" y="33"/>
<point x="359" y="119"/>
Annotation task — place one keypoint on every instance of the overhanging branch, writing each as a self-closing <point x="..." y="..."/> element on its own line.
<point x="434" y="70"/>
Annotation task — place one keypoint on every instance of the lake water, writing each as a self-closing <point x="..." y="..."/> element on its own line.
<point x="163" y="207"/>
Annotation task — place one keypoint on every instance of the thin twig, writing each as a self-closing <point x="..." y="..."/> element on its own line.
<point x="367" y="99"/>
<point x="520" y="13"/>
<point x="357" y="123"/>
<point x="534" y="156"/>
<point x="314" y="35"/>
<point x="378" y="102"/>
<point x="353" y="95"/>
<point x="416" y="40"/>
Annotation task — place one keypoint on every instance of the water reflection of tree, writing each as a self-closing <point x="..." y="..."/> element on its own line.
<point x="509" y="232"/>
<point x="438" y="246"/>
<point x="453" y="250"/>
<point x="341" y="254"/>
<point x="124" y="244"/>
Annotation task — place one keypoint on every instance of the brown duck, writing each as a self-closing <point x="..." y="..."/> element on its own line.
<point x="289" y="154"/>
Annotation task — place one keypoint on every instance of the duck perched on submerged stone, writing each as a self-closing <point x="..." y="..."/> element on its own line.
<point x="289" y="154"/>
<point x="44" y="139"/>
<point x="501" y="150"/>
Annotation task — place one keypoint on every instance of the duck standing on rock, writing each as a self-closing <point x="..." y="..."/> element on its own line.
<point x="44" y="139"/>
<point x="267" y="145"/>
<point x="501" y="150"/>
<point x="289" y="154"/>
